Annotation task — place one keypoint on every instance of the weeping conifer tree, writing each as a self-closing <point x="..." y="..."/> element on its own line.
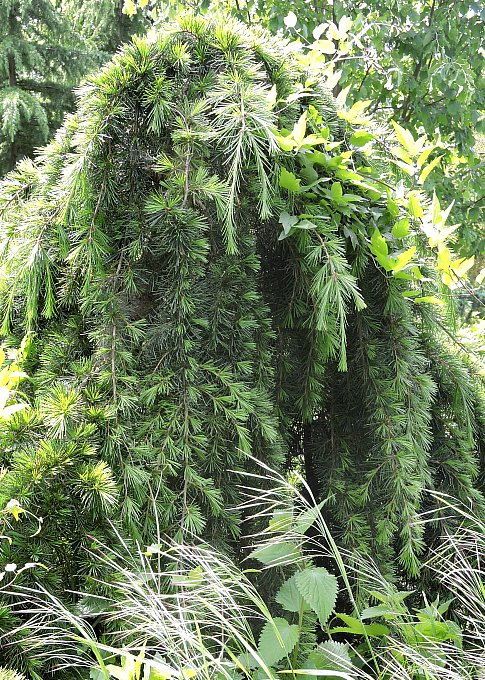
<point x="174" y="328"/>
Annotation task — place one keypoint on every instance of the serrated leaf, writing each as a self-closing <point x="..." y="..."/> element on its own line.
<point x="289" y="181"/>
<point x="277" y="640"/>
<point x="289" y="597"/>
<point x="329" y="655"/>
<point x="276" y="553"/>
<point x="319" y="589"/>
<point x="305" y="520"/>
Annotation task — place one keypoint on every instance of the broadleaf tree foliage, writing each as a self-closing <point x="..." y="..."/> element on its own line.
<point x="211" y="261"/>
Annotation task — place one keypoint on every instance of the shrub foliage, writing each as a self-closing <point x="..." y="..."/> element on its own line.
<point x="177" y="328"/>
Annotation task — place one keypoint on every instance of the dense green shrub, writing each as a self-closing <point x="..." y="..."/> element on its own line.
<point x="176" y="328"/>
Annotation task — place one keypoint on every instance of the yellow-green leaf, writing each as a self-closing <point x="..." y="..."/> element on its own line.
<point x="429" y="299"/>
<point x="289" y="181"/>
<point x="423" y="156"/>
<point x="402" y="259"/>
<point x="378" y="243"/>
<point x="405" y="138"/>
<point x="300" y="129"/>
<point x="401" y="228"/>
<point x="414" y="205"/>
<point x="461" y="266"/>
<point x="429" y="168"/>
<point x="325" y="46"/>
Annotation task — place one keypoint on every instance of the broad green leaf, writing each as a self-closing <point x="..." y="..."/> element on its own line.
<point x="461" y="266"/>
<point x="289" y="597"/>
<point x="336" y="191"/>
<point x="281" y="520"/>
<point x="329" y="655"/>
<point x="96" y="674"/>
<point x="434" y="630"/>
<point x="354" y="115"/>
<point x="276" y="553"/>
<point x="402" y="259"/>
<point x="287" y="221"/>
<point x="319" y="30"/>
<point x="378" y="243"/>
<point x="287" y="143"/>
<point x="401" y="228"/>
<point x="378" y="610"/>
<point x="423" y="156"/>
<point x="333" y="32"/>
<point x="444" y="258"/>
<point x="307" y="518"/>
<point x="426" y="171"/>
<point x="361" y="138"/>
<point x="344" y="25"/>
<point x="289" y="181"/>
<point x="358" y="628"/>
<point x="385" y="261"/>
<point x="277" y="640"/>
<point x="348" y="175"/>
<point x="319" y="589"/>
<point x="401" y="154"/>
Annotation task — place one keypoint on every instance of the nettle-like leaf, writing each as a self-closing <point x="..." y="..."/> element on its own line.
<point x="319" y="589"/>
<point x="276" y="553"/>
<point x="278" y="639"/>
<point x="307" y="518"/>
<point x="290" y="598"/>
<point x="329" y="655"/>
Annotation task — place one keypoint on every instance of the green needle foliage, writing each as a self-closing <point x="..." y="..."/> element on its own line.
<point x="173" y="332"/>
<point x="41" y="60"/>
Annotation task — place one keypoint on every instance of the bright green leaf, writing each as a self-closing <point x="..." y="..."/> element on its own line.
<point x="319" y="589"/>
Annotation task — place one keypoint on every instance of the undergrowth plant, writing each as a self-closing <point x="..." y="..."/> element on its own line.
<point x="188" y="611"/>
